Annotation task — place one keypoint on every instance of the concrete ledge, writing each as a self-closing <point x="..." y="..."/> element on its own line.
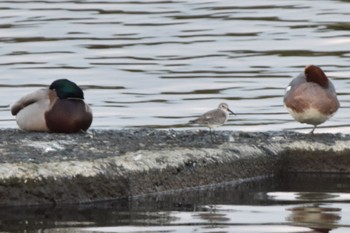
<point x="43" y="168"/>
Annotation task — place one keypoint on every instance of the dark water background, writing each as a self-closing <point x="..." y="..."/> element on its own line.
<point x="284" y="204"/>
<point x="159" y="63"/>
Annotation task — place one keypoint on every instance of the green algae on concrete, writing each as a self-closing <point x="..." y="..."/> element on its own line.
<point x="45" y="168"/>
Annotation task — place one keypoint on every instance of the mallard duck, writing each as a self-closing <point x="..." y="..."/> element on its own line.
<point x="60" y="109"/>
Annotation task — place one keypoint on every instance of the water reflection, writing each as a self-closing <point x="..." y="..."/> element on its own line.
<point x="265" y="205"/>
<point x="317" y="217"/>
<point x="316" y="213"/>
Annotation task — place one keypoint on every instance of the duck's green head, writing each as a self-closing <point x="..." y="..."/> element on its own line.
<point x="66" y="89"/>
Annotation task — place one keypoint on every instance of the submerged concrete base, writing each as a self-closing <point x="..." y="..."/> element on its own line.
<point x="45" y="168"/>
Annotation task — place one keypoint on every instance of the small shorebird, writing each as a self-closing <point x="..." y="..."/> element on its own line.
<point x="214" y="118"/>
<point x="59" y="108"/>
<point x="311" y="98"/>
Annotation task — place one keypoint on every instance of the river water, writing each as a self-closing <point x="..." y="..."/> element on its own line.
<point x="285" y="204"/>
<point x="160" y="63"/>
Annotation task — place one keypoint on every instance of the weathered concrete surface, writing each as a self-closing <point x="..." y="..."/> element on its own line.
<point x="44" y="168"/>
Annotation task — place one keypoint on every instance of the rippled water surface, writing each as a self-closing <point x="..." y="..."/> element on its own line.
<point x="160" y="63"/>
<point x="298" y="203"/>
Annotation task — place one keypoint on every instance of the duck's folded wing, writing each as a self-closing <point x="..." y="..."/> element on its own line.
<point x="28" y="100"/>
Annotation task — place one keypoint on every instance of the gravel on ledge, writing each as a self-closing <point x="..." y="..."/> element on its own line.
<point x="48" y="168"/>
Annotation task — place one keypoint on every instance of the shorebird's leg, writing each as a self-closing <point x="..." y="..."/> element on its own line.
<point x="212" y="135"/>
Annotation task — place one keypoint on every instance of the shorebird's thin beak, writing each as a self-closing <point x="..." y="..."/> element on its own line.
<point x="231" y="111"/>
